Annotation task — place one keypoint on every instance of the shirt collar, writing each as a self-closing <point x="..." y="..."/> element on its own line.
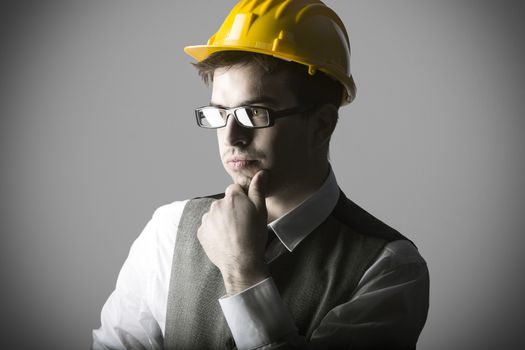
<point x="298" y="223"/>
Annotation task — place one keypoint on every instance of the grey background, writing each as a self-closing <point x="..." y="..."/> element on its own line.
<point x="97" y="130"/>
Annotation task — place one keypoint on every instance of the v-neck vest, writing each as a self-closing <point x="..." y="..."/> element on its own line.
<point x="320" y="273"/>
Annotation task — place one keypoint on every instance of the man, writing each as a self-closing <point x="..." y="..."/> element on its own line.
<point x="282" y="259"/>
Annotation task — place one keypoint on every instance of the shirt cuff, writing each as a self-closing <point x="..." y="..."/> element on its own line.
<point x="257" y="316"/>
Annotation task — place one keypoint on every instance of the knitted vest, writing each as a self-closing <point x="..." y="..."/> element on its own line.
<point x="319" y="274"/>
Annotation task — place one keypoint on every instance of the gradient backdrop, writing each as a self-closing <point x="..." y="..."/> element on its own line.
<point x="97" y="130"/>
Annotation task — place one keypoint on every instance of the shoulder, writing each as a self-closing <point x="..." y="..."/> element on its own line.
<point x="169" y="214"/>
<point x="167" y="217"/>
<point x="400" y="253"/>
<point x="160" y="231"/>
<point x="398" y="264"/>
<point x="362" y="222"/>
<point x="160" y="234"/>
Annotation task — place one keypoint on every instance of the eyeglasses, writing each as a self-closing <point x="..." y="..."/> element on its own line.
<point x="251" y="117"/>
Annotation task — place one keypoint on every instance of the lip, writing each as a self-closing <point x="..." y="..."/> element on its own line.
<point x="240" y="163"/>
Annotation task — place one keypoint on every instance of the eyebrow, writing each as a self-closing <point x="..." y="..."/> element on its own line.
<point x="253" y="101"/>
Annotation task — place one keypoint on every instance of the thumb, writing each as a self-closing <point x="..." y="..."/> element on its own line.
<point x="257" y="189"/>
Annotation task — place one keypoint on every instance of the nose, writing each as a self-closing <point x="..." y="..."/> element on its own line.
<point x="234" y="134"/>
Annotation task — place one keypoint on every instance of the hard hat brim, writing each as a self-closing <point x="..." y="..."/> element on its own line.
<point x="201" y="52"/>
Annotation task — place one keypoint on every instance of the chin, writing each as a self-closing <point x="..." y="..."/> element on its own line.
<point x="241" y="177"/>
<point x="242" y="180"/>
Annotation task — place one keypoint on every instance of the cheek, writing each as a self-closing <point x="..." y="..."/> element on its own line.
<point x="290" y="147"/>
<point x="220" y="142"/>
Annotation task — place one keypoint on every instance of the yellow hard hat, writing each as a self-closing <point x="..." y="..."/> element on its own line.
<point x="303" y="31"/>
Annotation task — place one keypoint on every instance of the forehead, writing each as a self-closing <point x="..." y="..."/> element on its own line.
<point x="249" y="84"/>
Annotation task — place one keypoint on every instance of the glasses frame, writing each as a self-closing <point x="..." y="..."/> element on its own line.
<point x="272" y="115"/>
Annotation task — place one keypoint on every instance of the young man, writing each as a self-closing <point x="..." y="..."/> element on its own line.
<point x="282" y="259"/>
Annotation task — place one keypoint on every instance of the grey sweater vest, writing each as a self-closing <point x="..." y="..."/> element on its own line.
<point x="321" y="273"/>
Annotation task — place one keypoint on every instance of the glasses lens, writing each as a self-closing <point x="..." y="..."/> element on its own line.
<point x="252" y="117"/>
<point x="211" y="117"/>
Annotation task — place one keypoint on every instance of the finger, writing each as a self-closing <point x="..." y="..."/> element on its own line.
<point x="257" y="189"/>
<point x="233" y="189"/>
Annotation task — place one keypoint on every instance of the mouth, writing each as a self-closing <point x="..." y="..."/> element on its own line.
<point x="241" y="163"/>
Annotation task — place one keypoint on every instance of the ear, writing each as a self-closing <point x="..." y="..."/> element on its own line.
<point x="324" y="122"/>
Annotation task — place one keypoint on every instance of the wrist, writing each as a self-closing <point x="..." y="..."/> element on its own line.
<point x="237" y="280"/>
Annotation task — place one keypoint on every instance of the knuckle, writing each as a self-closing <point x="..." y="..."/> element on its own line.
<point x="228" y="192"/>
<point x="204" y="220"/>
<point x="232" y="190"/>
<point x="199" y="233"/>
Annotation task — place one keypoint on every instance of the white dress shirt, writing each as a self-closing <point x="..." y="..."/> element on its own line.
<point x="134" y="315"/>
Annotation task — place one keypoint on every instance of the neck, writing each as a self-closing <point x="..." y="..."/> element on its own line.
<point x="291" y="195"/>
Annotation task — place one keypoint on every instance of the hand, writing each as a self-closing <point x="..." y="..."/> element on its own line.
<point x="233" y="234"/>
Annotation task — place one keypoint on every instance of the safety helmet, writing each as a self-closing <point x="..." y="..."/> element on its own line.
<point x="303" y="31"/>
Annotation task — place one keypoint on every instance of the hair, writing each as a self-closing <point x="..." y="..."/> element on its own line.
<point x="318" y="89"/>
